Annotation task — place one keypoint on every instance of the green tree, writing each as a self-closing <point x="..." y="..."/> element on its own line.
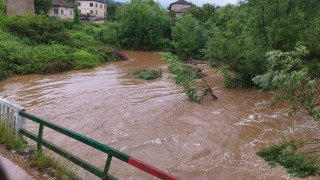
<point x="76" y="19"/>
<point x="292" y="74"/>
<point x="202" y="14"/>
<point x="2" y="6"/>
<point x="143" y="25"/>
<point x="242" y="35"/>
<point x="187" y="37"/>
<point x="111" y="11"/>
<point x="42" y="6"/>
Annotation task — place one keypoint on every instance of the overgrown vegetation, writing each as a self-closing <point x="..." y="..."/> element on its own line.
<point x="7" y="137"/>
<point x="295" y="78"/>
<point x="36" y="44"/>
<point x="40" y="161"/>
<point x="187" y="77"/>
<point x="146" y="74"/>
<point x="143" y="25"/>
<point x="286" y="154"/>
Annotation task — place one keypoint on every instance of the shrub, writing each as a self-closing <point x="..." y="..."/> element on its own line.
<point x="108" y="35"/>
<point x="146" y="74"/>
<point x="37" y="28"/>
<point x="186" y="77"/>
<point x="143" y="25"/>
<point x="295" y="79"/>
<point x="187" y="38"/>
<point x="298" y="164"/>
<point x="82" y="59"/>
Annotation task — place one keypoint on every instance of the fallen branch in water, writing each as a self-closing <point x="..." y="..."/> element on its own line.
<point x="190" y="78"/>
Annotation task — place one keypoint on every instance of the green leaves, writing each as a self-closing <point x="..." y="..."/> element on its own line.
<point x="187" y="37"/>
<point x="298" y="164"/>
<point x="290" y="74"/>
<point x="143" y="25"/>
<point x="186" y="77"/>
<point x="146" y="74"/>
<point x="42" y="6"/>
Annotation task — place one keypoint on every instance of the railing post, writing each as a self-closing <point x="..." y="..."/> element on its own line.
<point x="39" y="141"/>
<point x="106" y="168"/>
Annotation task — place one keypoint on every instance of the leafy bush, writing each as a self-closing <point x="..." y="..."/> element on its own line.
<point x="146" y="74"/>
<point x="295" y="79"/>
<point x="104" y="53"/>
<point x="143" y="25"/>
<point x="82" y="59"/>
<point x="186" y="77"/>
<point x="108" y="35"/>
<point x="37" y="28"/>
<point x="298" y="164"/>
<point x="187" y="38"/>
<point x="3" y="8"/>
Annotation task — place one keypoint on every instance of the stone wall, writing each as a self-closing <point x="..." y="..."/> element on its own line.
<point x="16" y="7"/>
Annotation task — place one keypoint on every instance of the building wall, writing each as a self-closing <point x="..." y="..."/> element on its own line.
<point x="15" y="7"/>
<point x="176" y="7"/>
<point x="67" y="12"/>
<point x="99" y="11"/>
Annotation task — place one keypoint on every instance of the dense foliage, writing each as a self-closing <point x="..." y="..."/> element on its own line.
<point x="42" y="6"/>
<point x="146" y="74"/>
<point x="111" y="11"/>
<point x="143" y="25"/>
<point x="35" y="44"/>
<point x="298" y="164"/>
<point x="295" y="78"/>
<point x="2" y="6"/>
<point x="187" y="77"/>
<point x="38" y="29"/>
<point x="188" y="38"/>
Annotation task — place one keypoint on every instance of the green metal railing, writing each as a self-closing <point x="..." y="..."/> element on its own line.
<point x="103" y="174"/>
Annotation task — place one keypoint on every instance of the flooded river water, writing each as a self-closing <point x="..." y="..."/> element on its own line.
<point x="155" y="122"/>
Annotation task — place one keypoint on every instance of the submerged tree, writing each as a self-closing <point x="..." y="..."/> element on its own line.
<point x="294" y="78"/>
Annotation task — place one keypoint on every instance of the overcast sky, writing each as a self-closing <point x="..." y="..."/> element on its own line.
<point x="166" y="3"/>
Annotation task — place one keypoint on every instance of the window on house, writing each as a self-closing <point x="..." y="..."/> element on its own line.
<point x="104" y="6"/>
<point x="70" y="12"/>
<point x="79" y="4"/>
<point x="96" y="12"/>
<point x="100" y="5"/>
<point x="91" y="11"/>
<point x="91" y="4"/>
<point x="79" y="11"/>
<point x="55" y="11"/>
<point x="96" y="5"/>
<point x="61" y="11"/>
<point x="104" y="13"/>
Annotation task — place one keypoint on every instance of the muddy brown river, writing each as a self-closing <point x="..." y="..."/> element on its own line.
<point x="155" y="122"/>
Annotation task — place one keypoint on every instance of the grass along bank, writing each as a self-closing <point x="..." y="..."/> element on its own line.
<point x="38" y="161"/>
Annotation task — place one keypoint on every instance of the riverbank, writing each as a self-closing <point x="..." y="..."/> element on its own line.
<point x="33" y="44"/>
<point x="17" y="166"/>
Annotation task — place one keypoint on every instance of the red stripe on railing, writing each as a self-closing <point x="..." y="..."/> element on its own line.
<point x="151" y="170"/>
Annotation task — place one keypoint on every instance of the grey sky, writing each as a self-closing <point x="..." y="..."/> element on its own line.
<point x="166" y="3"/>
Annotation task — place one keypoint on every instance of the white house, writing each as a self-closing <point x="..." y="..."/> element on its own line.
<point x="96" y="8"/>
<point x="62" y="10"/>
